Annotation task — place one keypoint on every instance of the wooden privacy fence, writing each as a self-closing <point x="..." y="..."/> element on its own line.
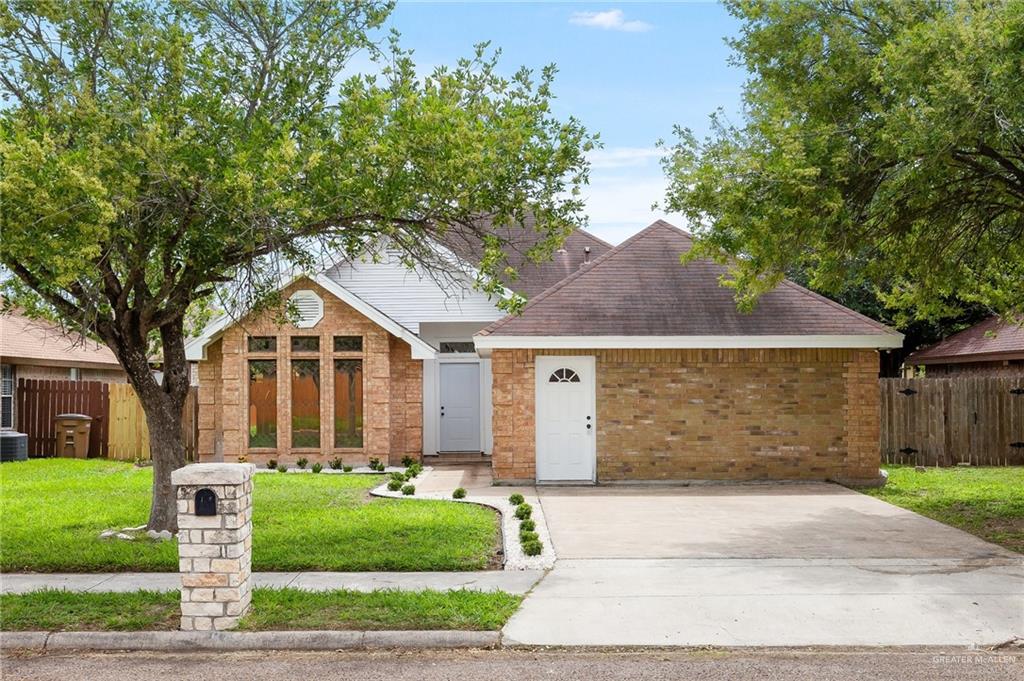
<point x="946" y="421"/>
<point x="39" y="401"/>
<point x="119" y="428"/>
<point x="129" y="434"/>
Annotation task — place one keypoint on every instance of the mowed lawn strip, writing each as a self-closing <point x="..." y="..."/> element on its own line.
<point x="272" y="609"/>
<point x="53" y="511"/>
<point x="987" y="502"/>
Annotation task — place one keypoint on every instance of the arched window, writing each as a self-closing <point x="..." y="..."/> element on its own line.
<point x="564" y="376"/>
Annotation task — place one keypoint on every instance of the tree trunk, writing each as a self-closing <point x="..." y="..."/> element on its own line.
<point x="163" y="404"/>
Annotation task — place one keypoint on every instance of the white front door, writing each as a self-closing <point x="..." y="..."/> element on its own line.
<point x="566" y="428"/>
<point x="460" y="406"/>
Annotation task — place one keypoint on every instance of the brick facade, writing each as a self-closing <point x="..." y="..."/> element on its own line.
<point x="737" y="414"/>
<point x="392" y="389"/>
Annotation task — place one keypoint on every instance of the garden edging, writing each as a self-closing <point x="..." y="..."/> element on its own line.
<point x="515" y="558"/>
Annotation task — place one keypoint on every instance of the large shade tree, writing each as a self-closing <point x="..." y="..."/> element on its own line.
<point x="156" y="152"/>
<point x="881" y="147"/>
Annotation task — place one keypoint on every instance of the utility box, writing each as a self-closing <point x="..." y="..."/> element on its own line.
<point x="73" y="435"/>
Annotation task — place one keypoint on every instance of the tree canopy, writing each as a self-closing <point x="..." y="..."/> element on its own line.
<point x="881" y="145"/>
<point x="156" y="151"/>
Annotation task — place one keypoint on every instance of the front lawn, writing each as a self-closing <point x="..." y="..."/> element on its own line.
<point x="272" y="609"/>
<point x="987" y="502"/>
<point x="53" y="510"/>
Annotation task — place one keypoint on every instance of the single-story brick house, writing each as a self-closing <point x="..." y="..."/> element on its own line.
<point x="625" y="365"/>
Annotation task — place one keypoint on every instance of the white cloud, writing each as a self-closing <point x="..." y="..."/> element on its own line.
<point x="624" y="157"/>
<point x="609" y="20"/>
<point x="619" y="204"/>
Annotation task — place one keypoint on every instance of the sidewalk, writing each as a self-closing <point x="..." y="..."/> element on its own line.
<point x="514" y="582"/>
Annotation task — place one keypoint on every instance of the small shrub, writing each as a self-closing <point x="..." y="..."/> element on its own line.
<point x="374" y="462"/>
<point x="400" y="477"/>
<point x="347" y="469"/>
<point x="527" y="537"/>
<point x="281" y="468"/>
<point x="533" y="548"/>
<point x="516" y="499"/>
<point x="301" y="463"/>
<point x="459" y="493"/>
<point x="527" y="525"/>
<point x="336" y="463"/>
<point x="271" y="464"/>
<point x="408" y="489"/>
<point x="408" y="461"/>
<point x="395" y="485"/>
<point x="524" y="511"/>
<point x="317" y="467"/>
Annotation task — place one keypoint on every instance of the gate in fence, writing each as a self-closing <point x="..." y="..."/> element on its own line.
<point x="946" y="421"/>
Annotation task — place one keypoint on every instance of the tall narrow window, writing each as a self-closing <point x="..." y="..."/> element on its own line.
<point x="262" y="403"/>
<point x="348" y="403"/>
<point x="305" y="403"/>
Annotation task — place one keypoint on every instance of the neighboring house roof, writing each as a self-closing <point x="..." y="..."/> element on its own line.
<point x="37" y="341"/>
<point x="533" y="277"/>
<point x="639" y="295"/>
<point x="992" y="339"/>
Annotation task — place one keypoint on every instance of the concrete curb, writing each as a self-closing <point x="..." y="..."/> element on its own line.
<point x="181" y="641"/>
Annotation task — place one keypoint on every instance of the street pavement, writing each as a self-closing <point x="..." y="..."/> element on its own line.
<point x="877" y="665"/>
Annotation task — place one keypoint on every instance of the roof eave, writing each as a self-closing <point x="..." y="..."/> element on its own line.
<point x="486" y="343"/>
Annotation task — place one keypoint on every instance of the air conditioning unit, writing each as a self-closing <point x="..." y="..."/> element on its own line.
<point x="13" y="446"/>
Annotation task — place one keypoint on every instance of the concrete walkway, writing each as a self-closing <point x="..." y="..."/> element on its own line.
<point x="517" y="582"/>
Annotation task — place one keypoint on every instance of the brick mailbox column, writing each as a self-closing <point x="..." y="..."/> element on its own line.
<point x="214" y="543"/>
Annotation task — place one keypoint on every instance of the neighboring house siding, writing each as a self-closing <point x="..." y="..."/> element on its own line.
<point x="1013" y="367"/>
<point x="803" y="414"/>
<point x="392" y="389"/>
<point x="410" y="297"/>
<point x="28" y="371"/>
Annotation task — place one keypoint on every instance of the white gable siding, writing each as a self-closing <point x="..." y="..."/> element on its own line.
<point x="411" y="298"/>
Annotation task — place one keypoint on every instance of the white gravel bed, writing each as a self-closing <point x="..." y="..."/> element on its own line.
<point x="515" y="559"/>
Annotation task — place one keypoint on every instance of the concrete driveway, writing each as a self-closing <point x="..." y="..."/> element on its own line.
<point x="763" y="565"/>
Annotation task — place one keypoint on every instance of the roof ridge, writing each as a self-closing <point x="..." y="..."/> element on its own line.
<point x="600" y="260"/>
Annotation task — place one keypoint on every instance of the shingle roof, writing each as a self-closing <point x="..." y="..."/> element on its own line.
<point x="640" y="288"/>
<point x="533" y="278"/>
<point x="992" y="337"/>
<point x="37" y="341"/>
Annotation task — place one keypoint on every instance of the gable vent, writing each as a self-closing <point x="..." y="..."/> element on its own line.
<point x="310" y="307"/>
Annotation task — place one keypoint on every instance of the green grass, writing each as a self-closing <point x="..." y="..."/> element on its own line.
<point x="272" y="609"/>
<point x="987" y="502"/>
<point x="52" y="511"/>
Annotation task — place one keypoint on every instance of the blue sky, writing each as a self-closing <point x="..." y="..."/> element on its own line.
<point x="629" y="71"/>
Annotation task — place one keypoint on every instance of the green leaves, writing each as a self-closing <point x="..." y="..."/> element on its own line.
<point x="882" y="144"/>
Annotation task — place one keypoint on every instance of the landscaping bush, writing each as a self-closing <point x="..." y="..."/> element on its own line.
<point x="317" y="467"/>
<point x="459" y="493"/>
<point x="524" y="511"/>
<point x="409" y="490"/>
<point x="408" y="461"/>
<point x="400" y="477"/>
<point x="336" y="463"/>
<point x="527" y="537"/>
<point x="281" y="468"/>
<point x="272" y="464"/>
<point x="347" y="469"/>
<point x="374" y="462"/>
<point x="533" y="548"/>
<point x="395" y="485"/>
<point x="301" y="463"/>
<point x="516" y="499"/>
<point x="527" y="525"/>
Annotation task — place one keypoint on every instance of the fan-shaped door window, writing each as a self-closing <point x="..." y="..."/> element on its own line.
<point x="564" y="376"/>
